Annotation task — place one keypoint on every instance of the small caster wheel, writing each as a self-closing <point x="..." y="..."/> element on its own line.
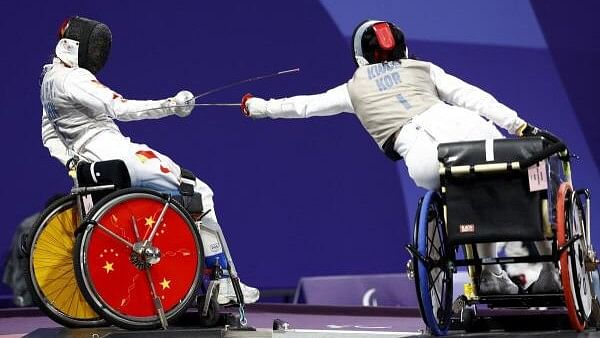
<point x="459" y="304"/>
<point x="468" y="319"/>
<point x="233" y="320"/>
<point x="213" y="315"/>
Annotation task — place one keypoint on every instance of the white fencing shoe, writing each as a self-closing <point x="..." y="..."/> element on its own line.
<point x="492" y="283"/>
<point x="227" y="293"/>
<point x="548" y="281"/>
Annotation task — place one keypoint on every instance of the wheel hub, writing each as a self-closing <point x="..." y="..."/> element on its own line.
<point x="144" y="255"/>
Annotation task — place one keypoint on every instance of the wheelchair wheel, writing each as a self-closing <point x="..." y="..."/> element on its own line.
<point x="50" y="277"/>
<point x="433" y="278"/>
<point x="575" y="279"/>
<point x="132" y="279"/>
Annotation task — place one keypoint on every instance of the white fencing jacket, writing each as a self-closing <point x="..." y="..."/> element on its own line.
<point x="386" y="96"/>
<point x="77" y="107"/>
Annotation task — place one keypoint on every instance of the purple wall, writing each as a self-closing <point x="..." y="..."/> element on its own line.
<point x="296" y="198"/>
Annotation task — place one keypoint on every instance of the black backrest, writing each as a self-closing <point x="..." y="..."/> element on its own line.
<point x="491" y="206"/>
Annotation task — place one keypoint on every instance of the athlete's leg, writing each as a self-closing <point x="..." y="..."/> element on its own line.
<point x="149" y="168"/>
<point x="548" y="280"/>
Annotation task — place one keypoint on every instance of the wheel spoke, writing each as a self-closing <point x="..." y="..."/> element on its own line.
<point x="436" y="280"/>
<point x="433" y="238"/>
<point x="435" y="287"/>
<point x="114" y="235"/>
<point x="160" y="312"/>
<point x="434" y="248"/>
<point x="431" y="244"/>
<point x="433" y="284"/>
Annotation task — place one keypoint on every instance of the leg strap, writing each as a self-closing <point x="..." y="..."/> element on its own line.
<point x="191" y="200"/>
<point x="187" y="182"/>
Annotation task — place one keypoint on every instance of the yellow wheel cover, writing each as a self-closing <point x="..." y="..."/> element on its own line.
<point x="52" y="256"/>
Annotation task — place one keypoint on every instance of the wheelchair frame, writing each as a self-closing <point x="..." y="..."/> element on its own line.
<point x="143" y="257"/>
<point x="434" y="260"/>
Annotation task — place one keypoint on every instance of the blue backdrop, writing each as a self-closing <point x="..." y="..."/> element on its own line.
<point x="296" y="197"/>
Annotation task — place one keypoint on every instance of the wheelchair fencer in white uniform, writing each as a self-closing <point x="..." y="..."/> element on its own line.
<point x="409" y="107"/>
<point x="77" y="120"/>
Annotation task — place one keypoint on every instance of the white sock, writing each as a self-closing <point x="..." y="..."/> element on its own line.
<point x="210" y="242"/>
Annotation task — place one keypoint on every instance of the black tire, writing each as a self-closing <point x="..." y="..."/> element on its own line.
<point x="433" y="280"/>
<point x="50" y="276"/>
<point x="576" y="223"/>
<point x="467" y="318"/>
<point x="576" y="281"/>
<point x="415" y="260"/>
<point x="83" y="269"/>
<point x="470" y="322"/>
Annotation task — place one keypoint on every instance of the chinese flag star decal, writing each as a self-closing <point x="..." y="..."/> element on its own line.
<point x="108" y="267"/>
<point x="149" y="221"/>
<point x="166" y="284"/>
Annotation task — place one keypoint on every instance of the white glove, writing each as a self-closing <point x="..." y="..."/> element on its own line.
<point x="183" y="103"/>
<point x="254" y="107"/>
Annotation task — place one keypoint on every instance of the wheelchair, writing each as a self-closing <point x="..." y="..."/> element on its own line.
<point x="132" y="257"/>
<point x="499" y="191"/>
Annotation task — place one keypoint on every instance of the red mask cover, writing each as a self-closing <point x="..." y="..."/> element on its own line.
<point x="385" y="39"/>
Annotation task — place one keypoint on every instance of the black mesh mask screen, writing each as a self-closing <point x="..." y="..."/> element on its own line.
<point x="94" y="39"/>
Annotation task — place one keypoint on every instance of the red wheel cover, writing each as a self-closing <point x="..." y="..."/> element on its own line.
<point x="118" y="282"/>
<point x="565" y="273"/>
